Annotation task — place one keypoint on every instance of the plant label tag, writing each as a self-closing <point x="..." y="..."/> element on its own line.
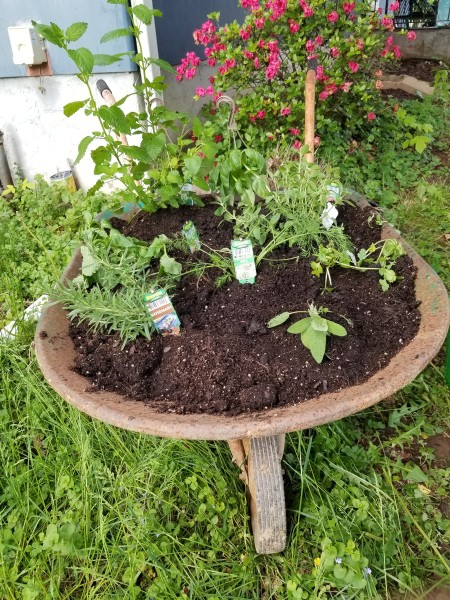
<point x="191" y="236"/>
<point x="330" y="213"/>
<point x="333" y="192"/>
<point x="244" y="261"/>
<point x="162" y="312"/>
<point x="186" y="192"/>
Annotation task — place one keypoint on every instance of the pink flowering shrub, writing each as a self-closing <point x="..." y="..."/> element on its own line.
<point x="263" y="64"/>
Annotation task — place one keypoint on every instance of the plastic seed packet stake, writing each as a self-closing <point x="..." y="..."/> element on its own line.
<point x="191" y="236"/>
<point x="330" y="213"/>
<point x="244" y="261"/>
<point x="186" y="192"/>
<point x="162" y="312"/>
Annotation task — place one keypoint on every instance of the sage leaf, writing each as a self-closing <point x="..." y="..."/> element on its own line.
<point x="315" y="341"/>
<point x="336" y="329"/>
<point x="319" y="323"/>
<point x="300" y="326"/>
<point x="279" y="319"/>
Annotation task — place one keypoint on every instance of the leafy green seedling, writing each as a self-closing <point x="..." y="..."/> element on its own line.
<point x="313" y="330"/>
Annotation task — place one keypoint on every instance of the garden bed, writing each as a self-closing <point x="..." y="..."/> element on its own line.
<point x="226" y="361"/>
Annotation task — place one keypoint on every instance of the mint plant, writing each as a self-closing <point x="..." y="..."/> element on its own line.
<point x="153" y="171"/>
<point x="313" y="330"/>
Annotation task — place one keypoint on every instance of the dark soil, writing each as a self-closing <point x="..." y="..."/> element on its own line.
<point x="226" y="360"/>
<point x="416" y="67"/>
<point x="419" y="68"/>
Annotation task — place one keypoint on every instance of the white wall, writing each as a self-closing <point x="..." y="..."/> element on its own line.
<point x="38" y="138"/>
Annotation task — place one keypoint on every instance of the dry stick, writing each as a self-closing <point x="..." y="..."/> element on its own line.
<point x="310" y="92"/>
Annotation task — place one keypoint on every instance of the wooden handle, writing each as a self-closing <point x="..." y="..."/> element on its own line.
<point x="310" y="92"/>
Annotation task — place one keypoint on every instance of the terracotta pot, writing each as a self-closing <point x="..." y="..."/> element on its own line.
<point x="55" y="353"/>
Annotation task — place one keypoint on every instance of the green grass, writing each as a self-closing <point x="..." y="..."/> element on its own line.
<point x="88" y="511"/>
<point x="91" y="511"/>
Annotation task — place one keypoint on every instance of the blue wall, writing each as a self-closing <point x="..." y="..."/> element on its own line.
<point x="100" y="16"/>
<point x="181" y="17"/>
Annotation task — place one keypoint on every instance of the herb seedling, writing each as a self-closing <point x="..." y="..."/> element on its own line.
<point x="313" y="330"/>
<point x="388" y="252"/>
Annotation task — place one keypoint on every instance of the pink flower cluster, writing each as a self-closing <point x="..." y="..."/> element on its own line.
<point x="205" y="34"/>
<point x="188" y="66"/>
<point x="387" y="23"/>
<point x="293" y="26"/>
<point x="353" y="66"/>
<point x="333" y="17"/>
<point x="307" y="10"/>
<point x="284" y="112"/>
<point x="200" y="92"/>
<point x="394" y="6"/>
<point x="411" y="35"/>
<point x="245" y="33"/>
<point x="253" y="5"/>
<point x="335" y="52"/>
<point x="229" y="63"/>
<point x="371" y="116"/>
<point x="348" y="7"/>
<point x="277" y="8"/>
<point x="260" y="115"/>
<point x="391" y="48"/>
<point x="274" y="60"/>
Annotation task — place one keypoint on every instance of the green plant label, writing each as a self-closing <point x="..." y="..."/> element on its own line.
<point x="244" y="261"/>
<point x="162" y="312"/>
<point x="333" y="192"/>
<point x="191" y="236"/>
<point x="186" y="192"/>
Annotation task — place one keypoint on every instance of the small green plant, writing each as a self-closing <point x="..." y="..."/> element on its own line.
<point x="291" y="214"/>
<point x="380" y="256"/>
<point x="421" y="139"/>
<point x="116" y="271"/>
<point x="40" y="228"/>
<point x="313" y="330"/>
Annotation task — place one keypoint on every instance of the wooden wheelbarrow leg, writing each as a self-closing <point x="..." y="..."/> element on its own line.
<point x="260" y="463"/>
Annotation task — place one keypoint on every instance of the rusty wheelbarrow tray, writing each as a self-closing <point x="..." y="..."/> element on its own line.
<point x="256" y="441"/>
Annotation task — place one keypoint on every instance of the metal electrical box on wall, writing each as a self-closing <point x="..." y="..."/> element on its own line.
<point x="100" y="16"/>
<point x="27" y="46"/>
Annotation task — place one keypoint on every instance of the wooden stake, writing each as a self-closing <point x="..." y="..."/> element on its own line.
<point x="310" y="92"/>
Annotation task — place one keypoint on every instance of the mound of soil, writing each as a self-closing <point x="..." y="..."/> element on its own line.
<point x="416" y="67"/>
<point x="226" y="360"/>
<point x="421" y="69"/>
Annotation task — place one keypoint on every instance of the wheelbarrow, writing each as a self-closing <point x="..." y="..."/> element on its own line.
<point x="256" y="441"/>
